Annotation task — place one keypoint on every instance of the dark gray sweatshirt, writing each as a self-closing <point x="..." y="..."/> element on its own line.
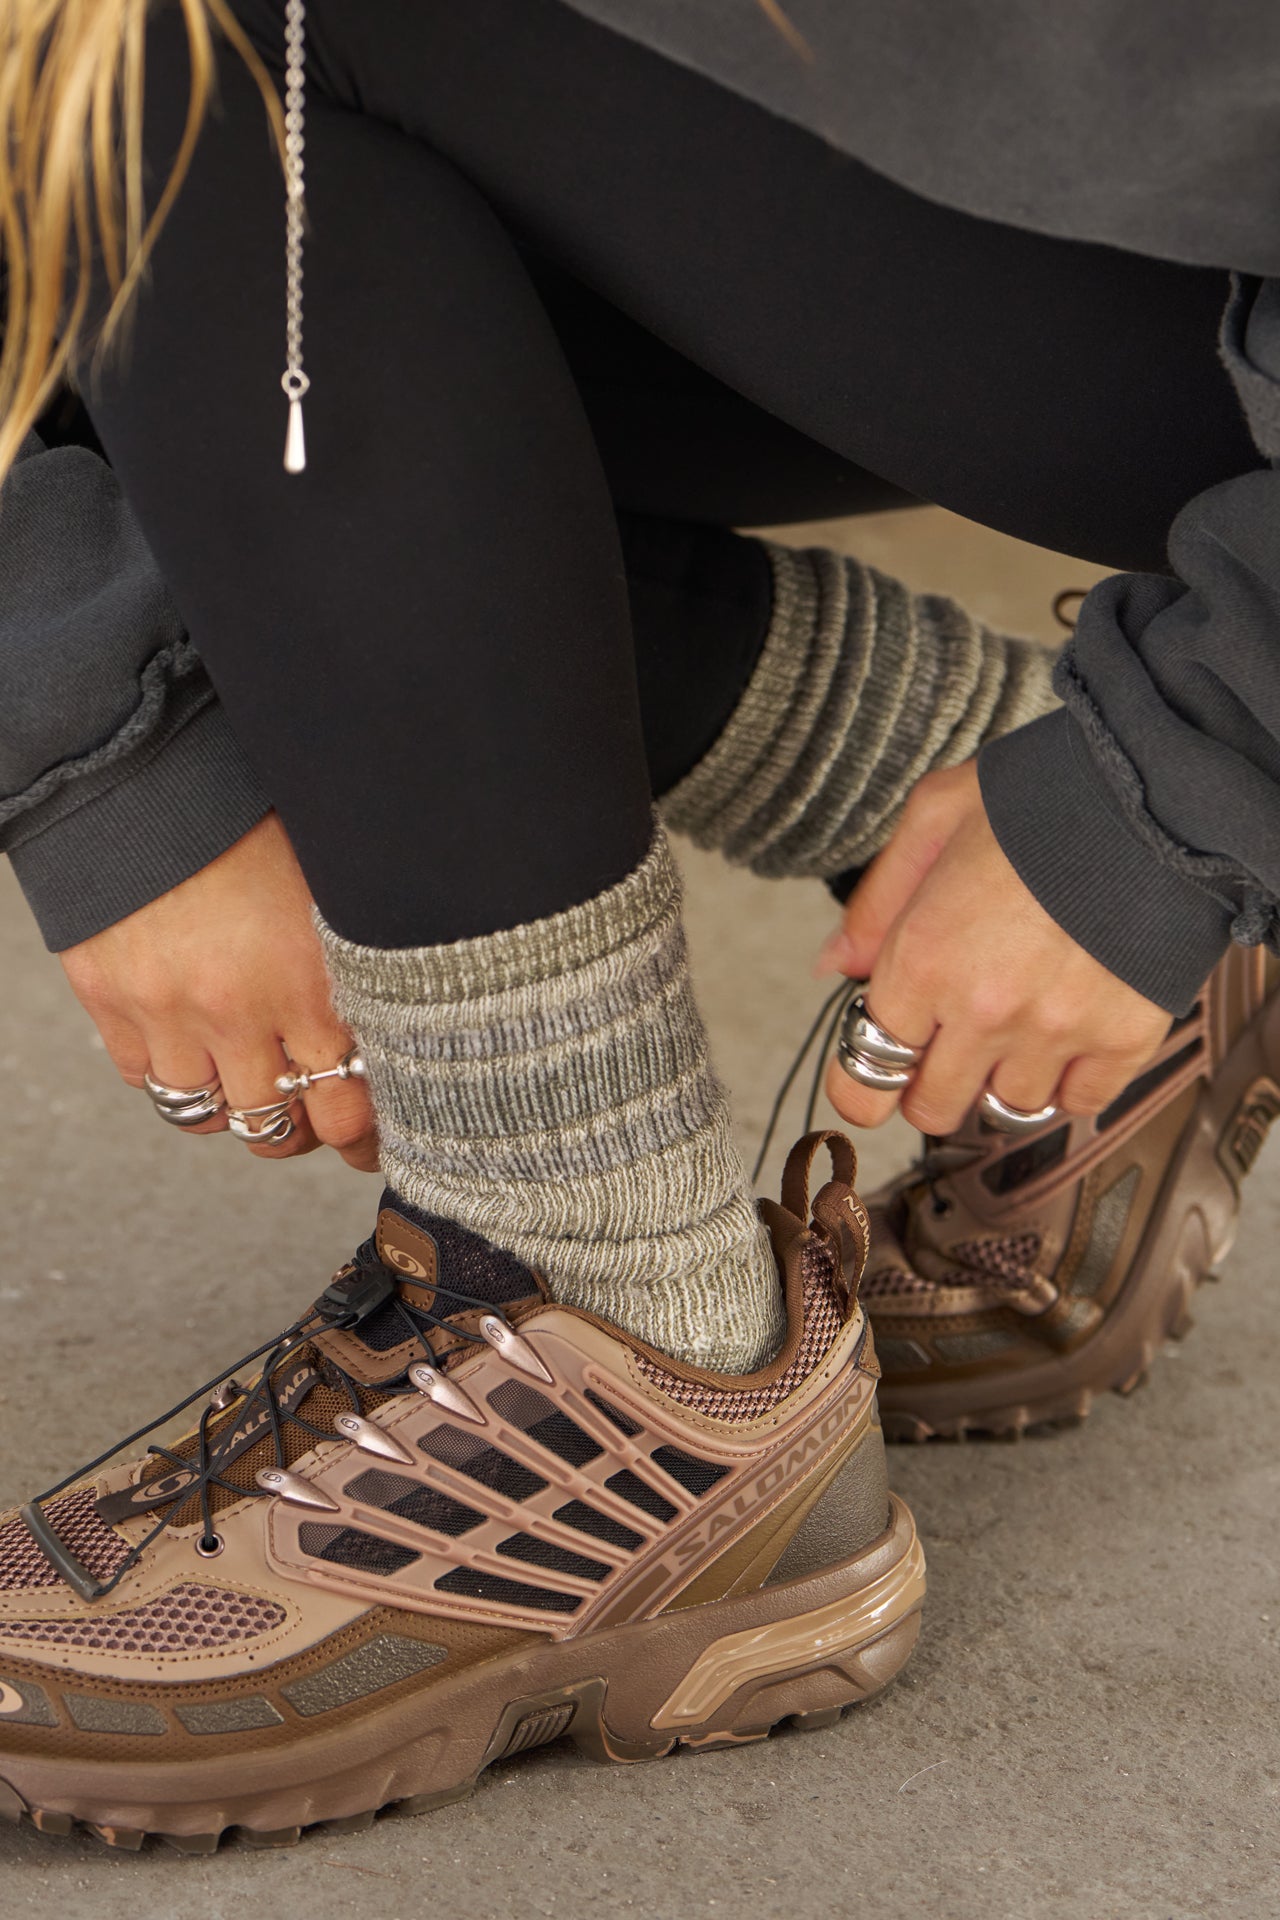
<point x="119" y="773"/>
<point x="1146" y="815"/>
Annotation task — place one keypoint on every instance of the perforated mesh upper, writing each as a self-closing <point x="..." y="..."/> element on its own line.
<point x="74" y="1519"/>
<point x="822" y="1321"/>
<point x="187" y="1618"/>
<point x="893" y="1283"/>
<point x="1010" y="1262"/>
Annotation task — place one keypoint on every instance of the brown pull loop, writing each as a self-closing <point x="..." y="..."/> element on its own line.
<point x="839" y="1217"/>
<point x="795" y="1175"/>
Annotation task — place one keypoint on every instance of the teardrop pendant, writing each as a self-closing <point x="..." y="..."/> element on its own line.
<point x="295" y="442"/>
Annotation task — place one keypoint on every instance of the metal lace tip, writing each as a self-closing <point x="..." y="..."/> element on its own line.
<point x="293" y="1488"/>
<point x="371" y="1438"/>
<point x="449" y="1398"/>
<point x="295" y="441"/>
<point x="506" y="1341"/>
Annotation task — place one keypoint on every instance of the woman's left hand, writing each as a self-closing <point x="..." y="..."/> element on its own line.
<point x="962" y="959"/>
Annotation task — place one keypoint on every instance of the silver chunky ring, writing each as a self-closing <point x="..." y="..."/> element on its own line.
<point x="184" y="1106"/>
<point x="1006" y="1119"/>
<point x="870" y="1054"/>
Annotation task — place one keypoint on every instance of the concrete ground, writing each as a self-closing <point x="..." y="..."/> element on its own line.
<point x="1088" y="1730"/>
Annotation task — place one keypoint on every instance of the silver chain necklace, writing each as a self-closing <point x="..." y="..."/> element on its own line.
<point x="294" y="380"/>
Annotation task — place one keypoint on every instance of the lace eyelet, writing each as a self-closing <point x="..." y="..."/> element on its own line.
<point x="210" y="1549"/>
<point x="941" y="1207"/>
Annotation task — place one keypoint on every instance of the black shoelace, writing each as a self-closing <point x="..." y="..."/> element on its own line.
<point x="827" y="1023"/>
<point x="351" y="1297"/>
<point x="935" y="1159"/>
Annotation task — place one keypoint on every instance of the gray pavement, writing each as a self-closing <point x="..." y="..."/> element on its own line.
<point x="1088" y="1730"/>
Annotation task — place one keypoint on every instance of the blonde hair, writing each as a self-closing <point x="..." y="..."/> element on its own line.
<point x="71" y="92"/>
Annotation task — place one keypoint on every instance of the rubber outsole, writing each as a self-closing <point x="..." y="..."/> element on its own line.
<point x="722" y="1675"/>
<point x="1016" y="1421"/>
<point x="588" y="1740"/>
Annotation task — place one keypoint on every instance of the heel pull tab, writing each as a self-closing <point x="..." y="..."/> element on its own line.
<point x="838" y="1215"/>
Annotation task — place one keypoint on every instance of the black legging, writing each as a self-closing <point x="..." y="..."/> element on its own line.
<point x="425" y="641"/>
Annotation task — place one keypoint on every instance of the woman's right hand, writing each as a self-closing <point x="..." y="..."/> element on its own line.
<point x="223" y="978"/>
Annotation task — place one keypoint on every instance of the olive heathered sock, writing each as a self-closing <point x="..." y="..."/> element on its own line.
<point x="862" y="687"/>
<point x="549" y="1088"/>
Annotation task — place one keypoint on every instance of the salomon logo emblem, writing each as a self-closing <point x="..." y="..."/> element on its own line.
<point x="405" y="1263"/>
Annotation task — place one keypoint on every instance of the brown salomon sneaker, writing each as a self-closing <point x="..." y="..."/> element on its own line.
<point x="451" y="1520"/>
<point x="1011" y="1280"/>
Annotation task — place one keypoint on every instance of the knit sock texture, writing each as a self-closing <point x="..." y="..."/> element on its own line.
<point x="861" y="688"/>
<point x="549" y="1088"/>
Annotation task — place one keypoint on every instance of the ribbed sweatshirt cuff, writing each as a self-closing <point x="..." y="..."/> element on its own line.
<point x="1050" y="811"/>
<point x="168" y="814"/>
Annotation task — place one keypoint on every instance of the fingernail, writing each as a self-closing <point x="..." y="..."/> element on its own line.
<point x="835" y="955"/>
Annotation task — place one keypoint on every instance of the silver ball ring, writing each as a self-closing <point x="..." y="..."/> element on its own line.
<point x="350" y="1067"/>
<point x="870" y="1054"/>
<point x="184" y="1106"/>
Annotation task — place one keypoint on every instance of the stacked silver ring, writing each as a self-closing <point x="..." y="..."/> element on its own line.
<point x="871" y="1055"/>
<point x="273" y="1122"/>
<point x="276" y="1122"/>
<point x="184" y="1106"/>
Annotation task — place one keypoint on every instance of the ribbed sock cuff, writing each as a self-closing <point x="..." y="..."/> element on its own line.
<point x="549" y="1087"/>
<point x="861" y="689"/>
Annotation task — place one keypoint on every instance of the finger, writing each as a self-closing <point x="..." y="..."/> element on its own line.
<point x="905" y="1016"/>
<point x="177" y="1060"/>
<point x="125" y="1044"/>
<point x="1092" y="1081"/>
<point x="860" y="1106"/>
<point x="872" y="908"/>
<point x="955" y="1069"/>
<point x="886" y="887"/>
<point x="249" y="1080"/>
<point x="340" y="1111"/>
<point x="1029" y="1080"/>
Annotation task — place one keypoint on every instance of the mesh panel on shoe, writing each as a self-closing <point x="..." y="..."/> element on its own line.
<point x="543" y="1421"/>
<point x="893" y="1283"/>
<point x="468" y="1263"/>
<point x="478" y="1585"/>
<point x="556" y="1559"/>
<point x="696" y="1476"/>
<point x="185" y="1619"/>
<point x="1009" y="1261"/>
<point x="822" y="1321"/>
<point x="629" y="1486"/>
<point x="610" y="1412"/>
<point x="482" y="1463"/>
<point x="423" y="1505"/>
<point x="585" y="1519"/>
<point x="1034" y="1157"/>
<point x="349" y="1547"/>
<point x="74" y="1519"/>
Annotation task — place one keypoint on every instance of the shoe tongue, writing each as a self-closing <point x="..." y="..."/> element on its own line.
<point x="440" y="1268"/>
<point x="434" y="1260"/>
<point x="429" y="1253"/>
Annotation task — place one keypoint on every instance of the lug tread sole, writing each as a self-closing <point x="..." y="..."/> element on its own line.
<point x="810" y="1701"/>
<point x="1055" y="1414"/>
